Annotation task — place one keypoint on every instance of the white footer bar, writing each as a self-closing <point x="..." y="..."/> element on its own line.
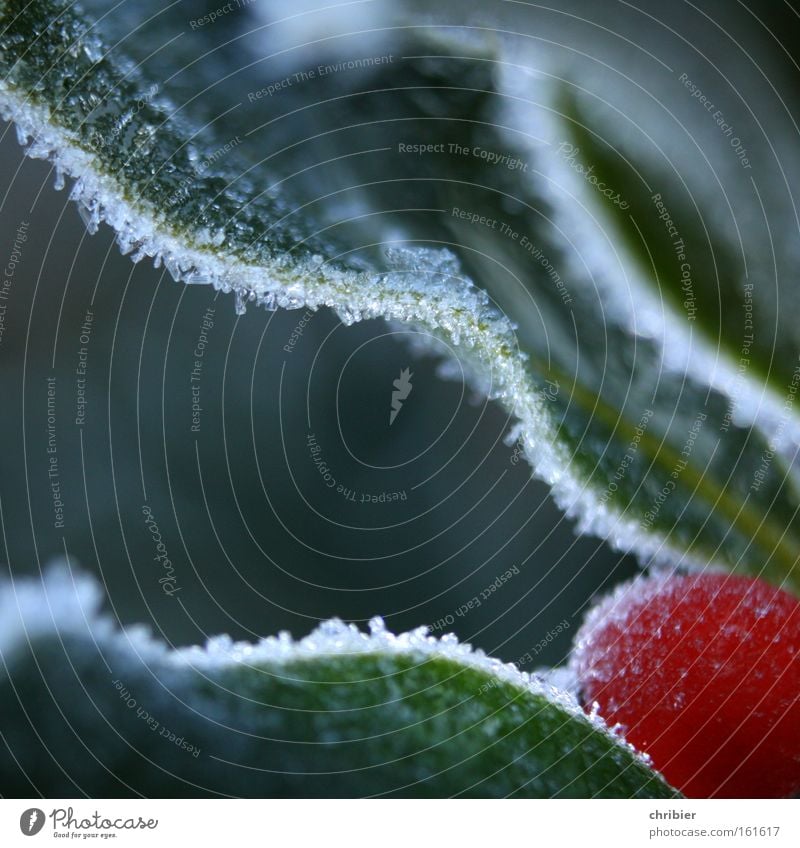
<point x="400" y="823"/>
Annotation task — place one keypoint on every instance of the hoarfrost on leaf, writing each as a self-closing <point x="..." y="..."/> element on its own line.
<point x="519" y="290"/>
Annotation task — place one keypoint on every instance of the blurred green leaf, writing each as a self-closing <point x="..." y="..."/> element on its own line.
<point x="319" y="193"/>
<point x="679" y="253"/>
<point x="340" y="714"/>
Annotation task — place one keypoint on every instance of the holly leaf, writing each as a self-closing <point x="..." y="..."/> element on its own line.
<point x="340" y="713"/>
<point x="409" y="179"/>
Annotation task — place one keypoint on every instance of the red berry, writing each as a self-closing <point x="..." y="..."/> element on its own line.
<point x="702" y="672"/>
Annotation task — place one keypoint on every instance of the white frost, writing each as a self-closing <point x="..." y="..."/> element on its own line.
<point x="628" y="299"/>
<point x="422" y="287"/>
<point x="66" y="602"/>
<point x="63" y="602"/>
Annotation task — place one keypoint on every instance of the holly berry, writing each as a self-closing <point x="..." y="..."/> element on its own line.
<point x="703" y="673"/>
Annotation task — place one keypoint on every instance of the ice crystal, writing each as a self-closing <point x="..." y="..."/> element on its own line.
<point x="66" y="602"/>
